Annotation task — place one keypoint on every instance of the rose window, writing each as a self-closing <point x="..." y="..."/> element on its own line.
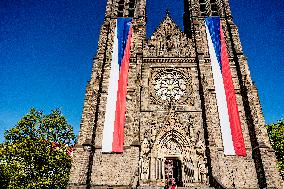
<point x="170" y="85"/>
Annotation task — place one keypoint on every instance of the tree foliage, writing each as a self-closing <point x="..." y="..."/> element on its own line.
<point x="276" y="135"/>
<point x="35" y="152"/>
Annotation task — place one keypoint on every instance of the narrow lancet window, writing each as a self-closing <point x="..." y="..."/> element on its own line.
<point x="120" y="8"/>
<point x="131" y="8"/>
<point x="214" y="8"/>
<point x="202" y="7"/>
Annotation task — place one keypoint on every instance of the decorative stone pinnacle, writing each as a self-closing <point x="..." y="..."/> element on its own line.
<point x="168" y="12"/>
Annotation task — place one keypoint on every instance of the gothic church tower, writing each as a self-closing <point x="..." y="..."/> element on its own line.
<point x="172" y="126"/>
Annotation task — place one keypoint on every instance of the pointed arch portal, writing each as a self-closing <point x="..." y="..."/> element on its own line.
<point x="174" y="156"/>
<point x="171" y="149"/>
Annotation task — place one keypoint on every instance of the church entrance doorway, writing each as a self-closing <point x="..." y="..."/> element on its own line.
<point x="173" y="170"/>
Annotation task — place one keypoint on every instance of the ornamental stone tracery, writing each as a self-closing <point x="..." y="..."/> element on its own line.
<point x="167" y="142"/>
<point x="171" y="86"/>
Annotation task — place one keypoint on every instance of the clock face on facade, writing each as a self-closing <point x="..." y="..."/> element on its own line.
<point x="169" y="85"/>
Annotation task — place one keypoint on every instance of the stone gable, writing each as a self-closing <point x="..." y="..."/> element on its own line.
<point x="168" y="41"/>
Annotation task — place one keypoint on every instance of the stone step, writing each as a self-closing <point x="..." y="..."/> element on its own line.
<point x="196" y="187"/>
<point x="159" y="187"/>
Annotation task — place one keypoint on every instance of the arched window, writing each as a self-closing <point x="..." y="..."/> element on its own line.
<point x="202" y="4"/>
<point x="120" y="8"/>
<point x="131" y="8"/>
<point x="214" y="8"/>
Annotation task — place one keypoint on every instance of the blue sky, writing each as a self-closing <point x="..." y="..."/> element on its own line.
<point x="47" y="47"/>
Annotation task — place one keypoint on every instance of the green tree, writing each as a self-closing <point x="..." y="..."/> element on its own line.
<point x="276" y="135"/>
<point x="35" y="153"/>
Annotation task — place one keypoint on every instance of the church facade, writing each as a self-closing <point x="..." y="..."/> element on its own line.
<point x="172" y="126"/>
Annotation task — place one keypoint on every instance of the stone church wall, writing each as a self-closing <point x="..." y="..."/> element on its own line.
<point x="160" y="126"/>
<point x="115" y="169"/>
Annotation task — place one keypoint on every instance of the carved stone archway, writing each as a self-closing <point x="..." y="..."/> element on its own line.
<point x="174" y="145"/>
<point x="169" y="150"/>
<point x="176" y="141"/>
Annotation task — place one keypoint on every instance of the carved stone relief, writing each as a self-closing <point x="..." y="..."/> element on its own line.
<point x="169" y="86"/>
<point x="174" y="138"/>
